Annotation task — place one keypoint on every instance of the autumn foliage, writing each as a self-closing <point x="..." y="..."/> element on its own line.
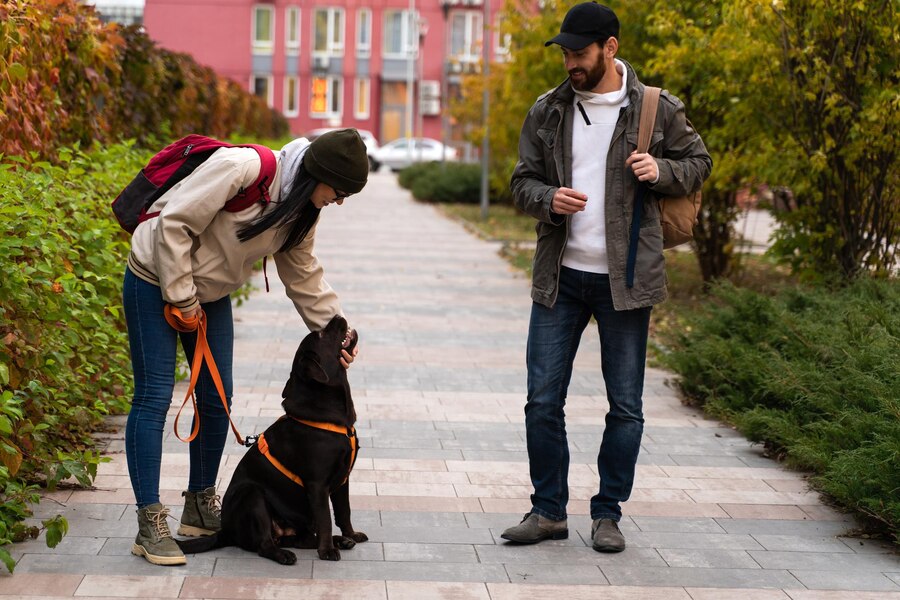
<point x="66" y="77"/>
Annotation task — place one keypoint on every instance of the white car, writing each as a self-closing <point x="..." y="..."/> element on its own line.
<point x="368" y="139"/>
<point x="403" y="152"/>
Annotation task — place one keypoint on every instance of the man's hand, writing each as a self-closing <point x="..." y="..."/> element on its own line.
<point x="347" y="358"/>
<point x="567" y="201"/>
<point x="644" y="167"/>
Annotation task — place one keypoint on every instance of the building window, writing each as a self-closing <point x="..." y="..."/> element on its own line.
<point x="291" y="96"/>
<point x="400" y="34"/>
<point x="292" y="30"/>
<point x="364" y="32"/>
<point x="362" y="95"/>
<point x="465" y="36"/>
<point x="328" y="31"/>
<point x="261" y="85"/>
<point x="326" y="97"/>
<point x="263" y="29"/>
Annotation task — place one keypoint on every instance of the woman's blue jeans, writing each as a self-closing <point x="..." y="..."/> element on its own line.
<point x="154" y="344"/>
<point x="553" y="337"/>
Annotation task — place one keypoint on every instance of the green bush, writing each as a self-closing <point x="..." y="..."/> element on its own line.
<point x="812" y="373"/>
<point x="64" y="361"/>
<point x="447" y="182"/>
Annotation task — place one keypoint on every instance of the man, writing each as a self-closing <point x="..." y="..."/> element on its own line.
<point x="578" y="174"/>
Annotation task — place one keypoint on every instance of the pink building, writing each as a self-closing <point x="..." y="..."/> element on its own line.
<point x="381" y="65"/>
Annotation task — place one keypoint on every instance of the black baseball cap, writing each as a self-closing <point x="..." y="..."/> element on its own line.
<point x="585" y="24"/>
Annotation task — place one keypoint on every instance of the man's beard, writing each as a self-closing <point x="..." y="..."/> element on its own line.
<point x="592" y="78"/>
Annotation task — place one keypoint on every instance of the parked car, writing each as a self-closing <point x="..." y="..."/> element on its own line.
<point x="368" y="139"/>
<point x="403" y="152"/>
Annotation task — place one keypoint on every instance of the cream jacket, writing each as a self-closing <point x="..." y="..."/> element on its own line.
<point x="191" y="250"/>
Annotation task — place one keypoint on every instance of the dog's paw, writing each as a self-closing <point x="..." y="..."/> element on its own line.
<point x="330" y="554"/>
<point x="286" y="557"/>
<point x="344" y="543"/>
<point x="359" y="537"/>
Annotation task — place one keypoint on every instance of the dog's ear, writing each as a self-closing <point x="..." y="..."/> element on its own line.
<point x="314" y="369"/>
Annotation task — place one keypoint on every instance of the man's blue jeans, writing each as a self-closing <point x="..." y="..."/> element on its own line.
<point x="553" y="337"/>
<point x="154" y="344"/>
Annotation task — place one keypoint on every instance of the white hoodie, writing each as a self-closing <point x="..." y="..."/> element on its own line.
<point x="586" y="248"/>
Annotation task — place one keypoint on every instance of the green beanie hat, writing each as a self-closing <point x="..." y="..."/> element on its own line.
<point x="338" y="158"/>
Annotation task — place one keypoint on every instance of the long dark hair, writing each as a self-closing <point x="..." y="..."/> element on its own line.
<point x="294" y="211"/>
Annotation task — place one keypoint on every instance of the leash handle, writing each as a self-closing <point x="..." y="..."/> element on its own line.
<point x="201" y="352"/>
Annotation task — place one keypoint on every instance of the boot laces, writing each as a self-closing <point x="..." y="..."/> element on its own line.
<point x="213" y="504"/>
<point x="158" y="521"/>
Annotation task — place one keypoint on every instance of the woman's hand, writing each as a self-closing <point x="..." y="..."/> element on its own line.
<point x="347" y="358"/>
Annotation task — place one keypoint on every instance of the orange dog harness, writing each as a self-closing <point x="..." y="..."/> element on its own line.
<point x="349" y="432"/>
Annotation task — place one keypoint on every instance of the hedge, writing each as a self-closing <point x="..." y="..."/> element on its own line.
<point x="814" y="374"/>
<point x="67" y="78"/>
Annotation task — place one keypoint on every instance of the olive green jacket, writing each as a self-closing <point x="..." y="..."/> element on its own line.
<point x="545" y="164"/>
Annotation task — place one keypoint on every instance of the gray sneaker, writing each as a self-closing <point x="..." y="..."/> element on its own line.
<point x="606" y="537"/>
<point x="202" y="511"/>
<point x="535" y="528"/>
<point x="154" y="540"/>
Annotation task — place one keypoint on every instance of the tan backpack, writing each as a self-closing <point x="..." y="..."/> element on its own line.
<point x="677" y="213"/>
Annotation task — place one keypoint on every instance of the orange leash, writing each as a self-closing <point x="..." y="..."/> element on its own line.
<point x="201" y="353"/>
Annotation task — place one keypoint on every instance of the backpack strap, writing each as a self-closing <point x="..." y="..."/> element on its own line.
<point x="259" y="190"/>
<point x="647" y="120"/>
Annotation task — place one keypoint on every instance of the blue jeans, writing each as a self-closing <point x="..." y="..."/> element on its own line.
<point x="553" y="337"/>
<point x="154" y="345"/>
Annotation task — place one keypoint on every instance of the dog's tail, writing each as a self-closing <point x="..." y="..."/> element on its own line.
<point x="202" y="544"/>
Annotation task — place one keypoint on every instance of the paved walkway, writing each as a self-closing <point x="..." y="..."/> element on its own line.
<point x="439" y="389"/>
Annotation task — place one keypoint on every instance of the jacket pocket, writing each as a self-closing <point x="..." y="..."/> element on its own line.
<point x="656" y="143"/>
<point x="548" y="136"/>
<point x="546" y="258"/>
<point x="650" y="264"/>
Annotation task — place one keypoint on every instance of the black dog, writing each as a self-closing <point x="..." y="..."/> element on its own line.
<point x="278" y="496"/>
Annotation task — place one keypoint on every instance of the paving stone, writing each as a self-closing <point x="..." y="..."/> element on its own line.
<point x="666" y="525"/>
<point x="443" y="552"/>
<point x="132" y="586"/>
<point x="558" y="552"/>
<point x="791" y="543"/>
<point x="583" y="592"/>
<point x="732" y="594"/>
<point x="555" y="573"/>
<point x="708" y="559"/>
<point x="395" y="520"/>
<point x="409" y="571"/>
<point x="792" y="528"/>
<point x="699" y="577"/>
<point x="823" y="561"/>
<point x="103" y="565"/>
<point x="427" y="535"/>
<point x="683" y="540"/>
<point x="845" y="580"/>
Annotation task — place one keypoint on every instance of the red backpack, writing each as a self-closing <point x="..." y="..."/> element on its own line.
<point x="175" y="162"/>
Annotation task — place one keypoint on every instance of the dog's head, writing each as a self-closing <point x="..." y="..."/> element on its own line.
<point x="318" y="381"/>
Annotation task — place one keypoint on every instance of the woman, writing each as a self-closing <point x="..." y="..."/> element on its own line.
<point x="192" y="256"/>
